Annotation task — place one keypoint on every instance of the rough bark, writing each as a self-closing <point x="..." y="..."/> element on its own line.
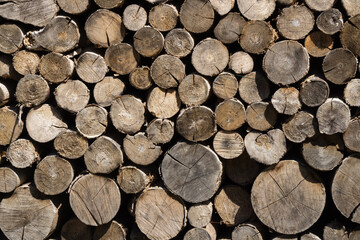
<point x="188" y="159"/>
<point x="275" y="197"/>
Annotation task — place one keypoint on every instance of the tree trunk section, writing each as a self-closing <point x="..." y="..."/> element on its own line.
<point x="163" y="17"/>
<point x="70" y="144"/>
<point x="256" y="10"/>
<point x="196" y="123"/>
<point x="4" y="94"/>
<point x="344" y="188"/>
<point x="12" y="126"/>
<point x="318" y="44"/>
<point x="132" y="180"/>
<point x="103" y="156"/>
<point x="56" y="67"/>
<point x="254" y="87"/>
<point x="247" y="231"/>
<point x="26" y="62"/>
<point x="100" y="36"/>
<point x="261" y="116"/>
<point x="330" y="21"/>
<point x="24" y="215"/>
<point x="199" y="215"/>
<point x="185" y="159"/>
<point x="299" y="127"/>
<point x="351" y="138"/>
<point x="72" y="96"/>
<point x="320" y="5"/>
<point x="35" y="12"/>
<point x="60" y="35"/>
<point x="286" y="62"/>
<point x="107" y="90"/>
<point x="197" y="233"/>
<point x="333" y="116"/>
<point x="148" y="41"/>
<point x="53" y="175"/>
<point x="210" y="57"/>
<point x="178" y="43"/>
<point x="11" y="178"/>
<point x="314" y="91"/>
<point x="94" y="199"/>
<point x="339" y="66"/>
<point x="140" y="78"/>
<point x="230" y="114"/>
<point x="91" y="67"/>
<point x="241" y="63"/>
<point x="192" y="20"/>
<point x="324" y="152"/>
<point x="127" y="114"/>
<point x="266" y="148"/>
<point x="229" y="28"/>
<point x="167" y="71"/>
<point x="233" y="205"/>
<point x="134" y="17"/>
<point x="11" y="38"/>
<point x="228" y="145"/>
<point x="112" y="230"/>
<point x="257" y="36"/>
<point x="286" y="101"/>
<point x="160" y="131"/>
<point x="225" y="85"/>
<point x="22" y="153"/>
<point x="73" y="6"/>
<point x="108" y="4"/>
<point x="159" y="220"/>
<point x="121" y="58"/>
<point x="163" y="103"/>
<point x="140" y="150"/>
<point x="91" y="121"/>
<point x="222" y="7"/>
<point x="335" y="231"/>
<point x="194" y="90"/>
<point x="352" y="7"/>
<point x="303" y="193"/>
<point x="32" y="90"/>
<point x="352" y="93"/>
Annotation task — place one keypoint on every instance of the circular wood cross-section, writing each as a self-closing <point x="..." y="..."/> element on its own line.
<point x="107" y="90"/>
<point x="179" y="42"/>
<point x="351" y="136"/>
<point x="225" y="85"/>
<point x="95" y="200"/>
<point x="32" y="90"/>
<point x="163" y="17"/>
<point x="140" y="78"/>
<point x="288" y="197"/>
<point x="192" y="20"/>
<point x="91" y="67"/>
<point x="314" y="91"/>
<point x="286" y="100"/>
<point x="318" y="44"/>
<point x="56" y="67"/>
<point x="11" y="178"/>
<point x="254" y="87"/>
<point x="228" y="145"/>
<point x="200" y="183"/>
<point x="255" y="9"/>
<point x="345" y="189"/>
<point x="251" y="231"/>
<point x="11" y="126"/>
<point x="159" y="215"/>
<point x="70" y="144"/>
<point x="121" y="58"/>
<point x="11" y="38"/>
<point x="286" y="62"/>
<point x="163" y="103"/>
<point x="330" y="21"/>
<point x="352" y="92"/>
<point x="210" y="57"/>
<point x="72" y="95"/>
<point x="132" y="180"/>
<point x="229" y="27"/>
<point x="230" y="114"/>
<point x="26" y="62"/>
<point x="196" y="123"/>
<point x="199" y="215"/>
<point x="194" y="90"/>
<point x="148" y="41"/>
<point x="22" y="153"/>
<point x="160" y="131"/>
<point x="134" y="17"/>
<point x="91" y="121"/>
<point x="197" y="233"/>
<point x="350" y="32"/>
<point x="24" y="215"/>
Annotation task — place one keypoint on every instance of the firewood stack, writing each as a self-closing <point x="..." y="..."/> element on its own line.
<point x="191" y="119"/>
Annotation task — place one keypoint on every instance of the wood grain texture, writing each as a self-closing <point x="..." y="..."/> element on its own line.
<point x="229" y="28"/>
<point x="276" y="197"/>
<point x="12" y="126"/>
<point x="199" y="215"/>
<point x="132" y="180"/>
<point x="11" y="38"/>
<point x="72" y="96"/>
<point x="194" y="90"/>
<point x="163" y="17"/>
<point x="134" y="17"/>
<point x="178" y="42"/>
<point x="112" y="230"/>
<point x="22" y="153"/>
<point x="351" y="92"/>
<point x="189" y="160"/>
<point x="91" y="67"/>
<point x="256" y="10"/>
<point x="225" y="85"/>
<point x="299" y="127"/>
<point x="121" y="58"/>
<point x="330" y="21"/>
<point x="70" y="144"/>
<point x="318" y="44"/>
<point x="230" y="114"/>
<point x="75" y="229"/>
<point x="148" y="41"/>
<point x="286" y="101"/>
<point x="160" y="131"/>
<point x="32" y="90"/>
<point x="163" y="103"/>
<point x="192" y="20"/>
<point x="314" y="91"/>
<point x="228" y="145"/>
<point x="91" y="121"/>
<point x="254" y="87"/>
<point x="107" y="90"/>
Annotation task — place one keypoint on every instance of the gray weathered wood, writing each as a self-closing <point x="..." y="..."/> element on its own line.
<point x="349" y="32"/>
<point x="222" y="7"/>
<point x="228" y="145"/>
<point x="286" y="101"/>
<point x="320" y="5"/>
<point x="11" y="38"/>
<point x="121" y="58"/>
<point x="229" y="28"/>
<point x="163" y="103"/>
<point x="72" y="96"/>
<point x="197" y="233"/>
<point x="330" y="21"/>
<point x="299" y="127"/>
<point x="351" y="136"/>
<point x="140" y="78"/>
<point x="192" y="20"/>
<point x="74" y="6"/>
<point x="187" y="159"/>
<point x="335" y="230"/>
<point x="70" y="144"/>
<point x="112" y="230"/>
<point x="230" y="114"/>
<point x="351" y="92"/>
<point x="11" y="178"/>
<point x="314" y="91"/>
<point x="199" y="215"/>
<point x="178" y="42"/>
<point x="32" y="90"/>
<point x="261" y="116"/>
<point x="266" y="148"/>
<point x="132" y="180"/>
<point x="286" y="62"/>
<point x="247" y="231"/>
<point x="288" y="205"/>
<point x="22" y="153"/>
<point x="256" y="10"/>
<point x="107" y="90"/>
<point x="91" y="67"/>
<point x="241" y="63"/>
<point x="148" y="41"/>
<point x="12" y="126"/>
<point x="225" y="85"/>
<point x="91" y="121"/>
<point x="134" y="17"/>
<point x="26" y="62"/>
<point x="108" y="4"/>
<point x="254" y="87"/>
<point x="160" y="131"/>
<point x="194" y="90"/>
<point x="352" y="7"/>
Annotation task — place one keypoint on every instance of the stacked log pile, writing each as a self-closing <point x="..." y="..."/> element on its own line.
<point x="191" y="119"/>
